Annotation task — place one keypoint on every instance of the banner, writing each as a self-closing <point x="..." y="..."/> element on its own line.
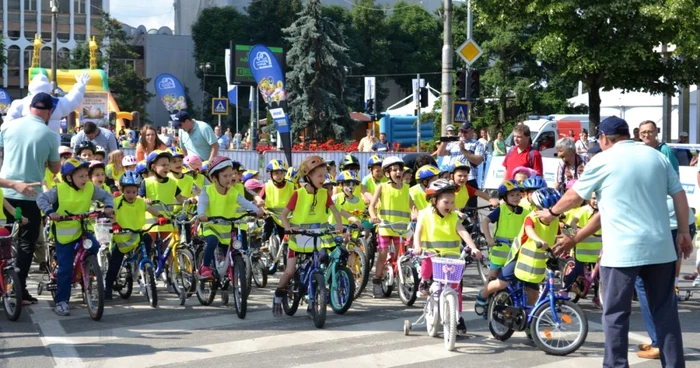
<point x="269" y="76"/>
<point x="4" y="101"/>
<point x="170" y="92"/>
<point x="95" y="108"/>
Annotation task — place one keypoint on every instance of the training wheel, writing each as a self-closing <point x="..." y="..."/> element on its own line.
<point x="406" y="327"/>
<point x="39" y="289"/>
<point x="182" y="298"/>
<point x="688" y="294"/>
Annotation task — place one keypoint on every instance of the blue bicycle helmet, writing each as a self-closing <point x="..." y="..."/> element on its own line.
<point x="329" y="180"/>
<point x="374" y="160"/>
<point x="141" y="168"/>
<point x="427" y="172"/>
<point x="545" y="198"/>
<point x="445" y="168"/>
<point x="130" y="178"/>
<point x="535" y="182"/>
<point x="508" y="186"/>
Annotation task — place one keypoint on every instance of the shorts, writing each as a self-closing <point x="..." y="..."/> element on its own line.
<point x="494" y="266"/>
<point x="508" y="274"/>
<point x="383" y="242"/>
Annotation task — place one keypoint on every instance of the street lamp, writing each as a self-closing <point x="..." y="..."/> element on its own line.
<point x="204" y="67"/>
<point x="54" y="41"/>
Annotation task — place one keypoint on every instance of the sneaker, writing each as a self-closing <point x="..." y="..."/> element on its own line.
<point x="62" y="309"/>
<point x="423" y="289"/>
<point x="205" y="273"/>
<point x="651" y="353"/>
<point x="696" y="282"/>
<point x="377" y="291"/>
<point x="461" y="327"/>
<point x="26" y="297"/>
<point x="481" y="305"/>
<point x="108" y="294"/>
<point x="171" y="287"/>
<point x="277" y="302"/>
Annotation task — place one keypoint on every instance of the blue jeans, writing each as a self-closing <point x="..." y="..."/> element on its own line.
<point x="116" y="259"/>
<point x="64" y="258"/>
<point x="212" y="243"/>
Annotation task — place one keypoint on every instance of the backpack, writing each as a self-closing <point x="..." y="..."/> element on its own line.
<point x="530" y="156"/>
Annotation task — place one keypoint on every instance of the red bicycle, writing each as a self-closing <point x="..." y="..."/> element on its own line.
<point x="10" y="285"/>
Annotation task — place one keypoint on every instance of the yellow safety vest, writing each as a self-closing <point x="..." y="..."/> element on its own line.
<point x="3" y="219"/>
<point x="306" y="216"/>
<point x="570" y="215"/>
<point x="372" y="184"/>
<point x="221" y="205"/>
<point x="75" y="202"/>
<point x="531" y="264"/>
<point x="461" y="198"/>
<point x="51" y="179"/>
<point x="356" y="208"/>
<point x="163" y="192"/>
<point x="418" y="195"/>
<point x="526" y="205"/>
<point x="240" y="210"/>
<point x="395" y="206"/>
<point x="199" y="181"/>
<point x="112" y="173"/>
<point x="588" y="250"/>
<point x="129" y="216"/>
<point x="185" y="184"/>
<point x="276" y="198"/>
<point x="440" y="233"/>
<point x="507" y="228"/>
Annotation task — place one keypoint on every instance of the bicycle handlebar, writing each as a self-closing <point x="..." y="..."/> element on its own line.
<point x="81" y="216"/>
<point x="394" y="226"/>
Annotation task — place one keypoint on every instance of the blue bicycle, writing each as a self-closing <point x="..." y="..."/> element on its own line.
<point x="309" y="283"/>
<point x="545" y="322"/>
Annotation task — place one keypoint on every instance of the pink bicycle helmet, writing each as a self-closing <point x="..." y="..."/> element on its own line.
<point x="253" y="184"/>
<point x="194" y="162"/>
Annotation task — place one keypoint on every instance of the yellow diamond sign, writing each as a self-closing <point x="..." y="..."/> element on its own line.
<point x="469" y="51"/>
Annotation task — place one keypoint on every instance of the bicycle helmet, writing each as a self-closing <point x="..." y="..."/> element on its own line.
<point x="249" y="174"/>
<point x="155" y="155"/>
<point x="205" y="166"/>
<point x="176" y="152"/>
<point x="426" y="172"/>
<point x="349" y="160"/>
<point x="525" y="170"/>
<point x="391" y="161"/>
<point x="194" y="162"/>
<point x="80" y="147"/>
<point x="347" y="175"/>
<point x="141" y="167"/>
<point x="533" y="183"/>
<point x="330" y="163"/>
<point x="100" y="149"/>
<point x="253" y="184"/>
<point x="407" y="170"/>
<point x="438" y="187"/>
<point x="445" y="168"/>
<point x="310" y="163"/>
<point x="219" y="163"/>
<point x="545" y="198"/>
<point x="73" y="164"/>
<point x="508" y="186"/>
<point x="129" y="160"/>
<point x="276" y="165"/>
<point x="292" y="175"/>
<point x="186" y="169"/>
<point x="130" y="178"/>
<point x="374" y="160"/>
<point x="63" y="150"/>
<point x="95" y="164"/>
<point x="459" y="165"/>
<point x="329" y="180"/>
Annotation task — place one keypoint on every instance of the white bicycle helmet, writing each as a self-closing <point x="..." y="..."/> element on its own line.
<point x="390" y="161"/>
<point x="129" y="160"/>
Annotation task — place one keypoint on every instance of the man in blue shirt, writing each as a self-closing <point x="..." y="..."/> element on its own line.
<point x="632" y="181"/>
<point x="195" y="137"/>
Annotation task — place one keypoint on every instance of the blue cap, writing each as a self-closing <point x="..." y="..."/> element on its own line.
<point x="42" y="101"/>
<point x="180" y="118"/>
<point x="613" y="126"/>
<point x="594" y="149"/>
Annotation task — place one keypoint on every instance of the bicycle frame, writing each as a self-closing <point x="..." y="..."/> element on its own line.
<point x="518" y="294"/>
<point x="395" y="256"/>
<point x="4" y="263"/>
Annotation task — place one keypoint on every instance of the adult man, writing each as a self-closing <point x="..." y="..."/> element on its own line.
<point x="99" y="136"/>
<point x="367" y="142"/>
<point x="522" y="153"/>
<point x="221" y="138"/>
<point x="635" y="136"/>
<point x="450" y="130"/>
<point x="383" y="145"/>
<point x="165" y="136"/>
<point x="28" y="144"/>
<point x="649" y="134"/>
<point x="467" y="148"/>
<point x="683" y="155"/>
<point x="196" y="137"/>
<point x="636" y="237"/>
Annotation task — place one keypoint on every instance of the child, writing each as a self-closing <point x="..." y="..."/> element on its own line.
<point x="525" y="254"/>
<point x="309" y="207"/>
<point x="254" y="186"/>
<point x="332" y="169"/>
<point x="588" y="250"/>
<point x="530" y="186"/>
<point x="329" y="184"/>
<point x="249" y="174"/>
<point x="438" y="228"/>
<point x="184" y="182"/>
<point x="85" y="150"/>
<point x="51" y="179"/>
<point x="407" y="175"/>
<point x="142" y="169"/>
<point x="292" y="176"/>
<point x="374" y="178"/>
<point x="96" y="171"/>
<point x="521" y="173"/>
<point x="424" y="176"/>
<point x="219" y="199"/>
<point x="100" y="153"/>
<point x="395" y="207"/>
<point x="445" y="171"/>
<point x="509" y="218"/>
<point x="274" y="196"/>
<point x="459" y="173"/>
<point x="75" y="196"/>
<point x="130" y="215"/>
<point x="351" y="163"/>
<point x="115" y="168"/>
<point x="129" y="163"/>
<point x="350" y="206"/>
<point x="195" y="165"/>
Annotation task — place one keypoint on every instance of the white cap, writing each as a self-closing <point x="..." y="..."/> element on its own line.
<point x="684" y="134"/>
<point x="450" y="127"/>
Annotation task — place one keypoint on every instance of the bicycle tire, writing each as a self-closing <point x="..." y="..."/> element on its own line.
<point x="432" y="316"/>
<point x="342" y="291"/>
<point x="126" y="287"/>
<point x="482" y="264"/>
<point x="224" y="296"/>
<point x="293" y="293"/>
<point x="248" y="273"/>
<point x="273" y="244"/>
<point x="92" y="268"/>
<point x="184" y="277"/>
<point x="259" y="274"/>
<point x="359" y="266"/>
<point x="386" y="288"/>
<point x="449" y="322"/>
<point x="103" y="260"/>
<point x="206" y="291"/>
<point x="318" y="283"/>
<point x="239" y="285"/>
<point x="537" y="336"/>
<point x="51" y="266"/>
<point x="150" y="284"/>
<point x="408" y="290"/>
<point x="12" y="298"/>
<point x="371" y="248"/>
<point x="500" y="298"/>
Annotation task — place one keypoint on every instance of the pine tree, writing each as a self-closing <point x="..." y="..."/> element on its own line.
<point x="316" y="83"/>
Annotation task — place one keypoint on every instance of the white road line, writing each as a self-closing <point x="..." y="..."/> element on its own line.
<point x="53" y="337"/>
<point x="394" y="358"/>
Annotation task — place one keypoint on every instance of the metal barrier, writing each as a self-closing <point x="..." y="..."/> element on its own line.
<point x="129" y="151"/>
<point x="249" y="159"/>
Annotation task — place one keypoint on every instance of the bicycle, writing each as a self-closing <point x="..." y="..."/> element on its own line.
<point x="339" y="277"/>
<point x="103" y="235"/>
<point x="255" y="268"/>
<point x="583" y="283"/>
<point x="259" y="259"/>
<point x="473" y="227"/>
<point x="309" y="282"/>
<point x="441" y="307"/>
<point x="508" y="311"/>
<point x="398" y="263"/>
<point x="358" y="263"/>
<point x="275" y="247"/>
<point x="10" y="285"/>
<point x="229" y="269"/>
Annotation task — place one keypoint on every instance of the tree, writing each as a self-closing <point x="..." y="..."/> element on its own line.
<point x="268" y="18"/>
<point x="2" y="55"/>
<point x="316" y="83"/>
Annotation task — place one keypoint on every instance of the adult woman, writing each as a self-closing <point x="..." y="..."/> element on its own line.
<point x="571" y="164"/>
<point x="148" y="142"/>
<point x="582" y="144"/>
<point x="499" y="145"/>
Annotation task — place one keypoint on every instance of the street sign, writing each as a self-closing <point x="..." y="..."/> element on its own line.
<point x="460" y="112"/>
<point x="219" y="106"/>
<point x="417" y="84"/>
<point x="469" y="51"/>
<point x="370" y="88"/>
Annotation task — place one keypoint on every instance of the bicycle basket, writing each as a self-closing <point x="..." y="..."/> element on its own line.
<point x="6" y="250"/>
<point x="447" y="270"/>
<point x="103" y="231"/>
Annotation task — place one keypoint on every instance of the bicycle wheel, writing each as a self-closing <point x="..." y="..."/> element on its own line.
<point x="273" y="245"/>
<point x="103" y="259"/>
<point x="550" y="337"/>
<point x="483" y="264"/>
<point x="93" y="292"/>
<point x="371" y="248"/>
<point x="11" y="299"/>
<point x="248" y="274"/>
<point x="342" y="291"/>
<point x="497" y="303"/>
<point x="432" y="316"/>
<point x="449" y="321"/>
<point x="183" y="276"/>
<point x="224" y="295"/>
<point x="240" y="287"/>
<point x="149" y="281"/>
<point x="359" y="266"/>
<point x="125" y="282"/>
<point x="206" y="291"/>
<point x="318" y="283"/>
<point x="408" y="289"/>
<point x="51" y="266"/>
<point x="290" y="302"/>
<point x="259" y="273"/>
<point x="599" y="293"/>
<point x="388" y="281"/>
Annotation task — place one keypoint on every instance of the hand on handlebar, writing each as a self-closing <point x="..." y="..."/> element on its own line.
<point x="476" y="253"/>
<point x="494" y="202"/>
<point x="109" y="212"/>
<point x="339" y="228"/>
<point x="162" y="220"/>
<point x="203" y="218"/>
<point x="376" y="220"/>
<point x="54" y="216"/>
<point x="490" y="242"/>
<point x="259" y="212"/>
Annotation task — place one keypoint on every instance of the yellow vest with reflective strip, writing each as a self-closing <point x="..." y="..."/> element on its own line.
<point x="3" y="219"/>
<point x="163" y="192"/>
<point x="526" y="205"/>
<point x="395" y="207"/>
<point x="461" y="198"/>
<point x="307" y="215"/>
<point x="531" y="264"/>
<point x="276" y="198"/>
<point x="51" y="179"/>
<point x="129" y="216"/>
<point x="418" y="195"/>
<point x="371" y="185"/>
<point x="112" y="172"/>
<point x="221" y="205"/>
<point x="356" y="208"/>
<point x="440" y="233"/>
<point x="507" y="228"/>
<point x="73" y="201"/>
<point x="588" y="250"/>
<point x="240" y="210"/>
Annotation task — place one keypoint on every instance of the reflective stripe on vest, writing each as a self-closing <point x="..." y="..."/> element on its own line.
<point x="441" y="244"/>
<point x="394" y="213"/>
<point x="440" y="233"/>
<point x="307" y="216"/>
<point x="163" y="192"/>
<point x="127" y="245"/>
<point x="588" y="250"/>
<point x="394" y="207"/>
<point x="498" y="254"/>
<point x="75" y="202"/>
<point x="220" y="205"/>
<point x="531" y="264"/>
<point x="276" y="198"/>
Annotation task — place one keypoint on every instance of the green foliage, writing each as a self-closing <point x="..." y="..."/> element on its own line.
<point x="3" y="58"/>
<point x="267" y="18"/>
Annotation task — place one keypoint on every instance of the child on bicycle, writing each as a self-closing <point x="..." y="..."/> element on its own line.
<point x="195" y="164"/>
<point x="407" y="175"/>
<point x="115" y="167"/>
<point x="85" y="150"/>
<point x="100" y="153"/>
<point x="219" y="199"/>
<point x="526" y="262"/>
<point x="522" y="173"/>
<point x="425" y="175"/>
<point x="97" y="174"/>
<point x="374" y="178"/>
<point x="130" y="214"/>
<point x="439" y="229"/>
<point x="509" y="218"/>
<point x="274" y="196"/>
<point x="588" y="250"/>
<point x="329" y="184"/>
<point x="292" y="176"/>
<point x="73" y="196"/>
<point x="350" y="207"/>
<point x="250" y="174"/>
<point x="531" y="185"/>
<point x="351" y="163"/>
<point x="184" y="182"/>
<point x="309" y="207"/>
<point x="395" y="203"/>
<point x="459" y="173"/>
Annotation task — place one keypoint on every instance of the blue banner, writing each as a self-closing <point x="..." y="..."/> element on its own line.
<point x="270" y="78"/>
<point x="4" y="101"/>
<point x="170" y="92"/>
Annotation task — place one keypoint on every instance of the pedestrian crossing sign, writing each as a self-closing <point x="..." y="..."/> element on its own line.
<point x="460" y="112"/>
<point x="219" y="106"/>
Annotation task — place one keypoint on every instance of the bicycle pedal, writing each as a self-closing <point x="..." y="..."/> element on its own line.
<point x="51" y="287"/>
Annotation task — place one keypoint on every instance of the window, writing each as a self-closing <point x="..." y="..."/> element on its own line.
<point x="79" y="6"/>
<point x="46" y="57"/>
<point x="545" y="141"/>
<point x="13" y="55"/>
<point x="79" y="37"/>
<point x="64" y="37"/>
<point x="28" y="53"/>
<point x="13" y="4"/>
<point x="29" y="5"/>
<point x="95" y="6"/>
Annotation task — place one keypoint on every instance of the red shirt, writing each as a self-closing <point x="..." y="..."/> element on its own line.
<point x="293" y="201"/>
<point x="515" y="159"/>
<point x="530" y="222"/>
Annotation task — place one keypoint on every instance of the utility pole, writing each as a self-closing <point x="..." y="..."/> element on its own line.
<point x="447" y="69"/>
<point x="54" y="43"/>
<point x="418" y="115"/>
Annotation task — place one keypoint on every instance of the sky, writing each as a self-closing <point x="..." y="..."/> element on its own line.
<point x="151" y="13"/>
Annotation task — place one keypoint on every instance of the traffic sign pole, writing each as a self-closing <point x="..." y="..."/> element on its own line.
<point x="418" y="117"/>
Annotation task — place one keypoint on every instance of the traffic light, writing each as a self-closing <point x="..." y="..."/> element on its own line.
<point x="461" y="84"/>
<point x="370" y="106"/>
<point x="423" y="97"/>
<point x="473" y="87"/>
